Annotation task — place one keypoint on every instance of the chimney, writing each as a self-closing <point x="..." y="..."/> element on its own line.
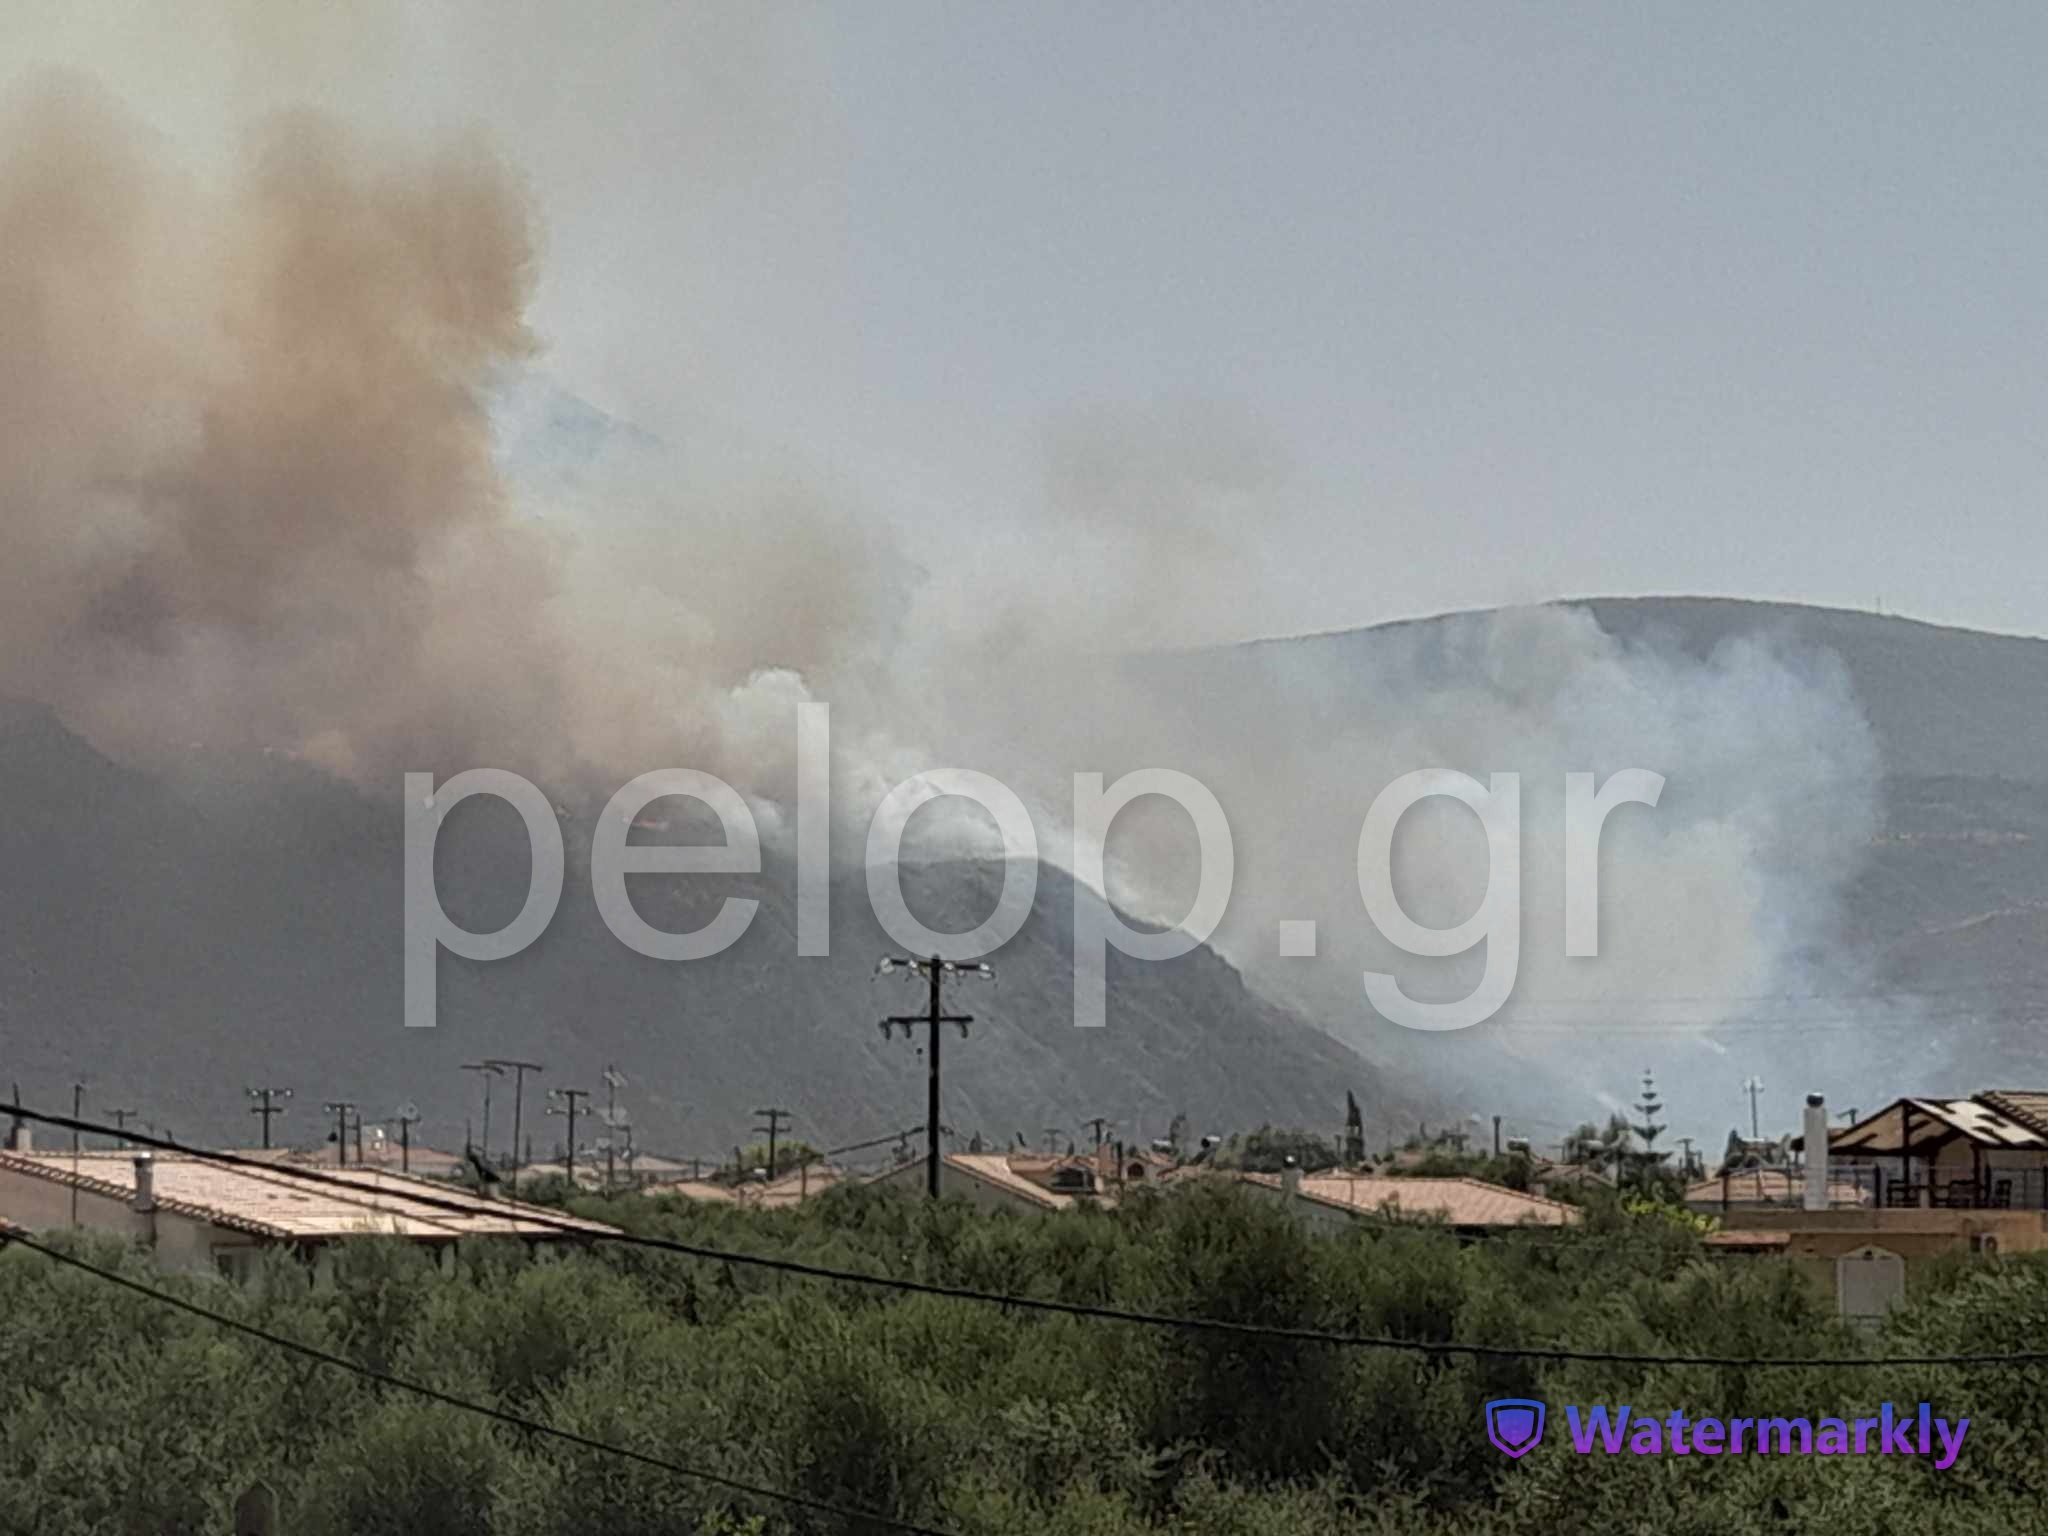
<point x="1816" y="1153"/>
<point x="20" y="1138"/>
<point x="145" y="1183"/>
<point x="1290" y="1179"/>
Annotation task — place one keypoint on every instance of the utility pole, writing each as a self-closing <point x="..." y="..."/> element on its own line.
<point x="121" y="1117"/>
<point x="1496" y="1135"/>
<point x="570" y="1098"/>
<point x="934" y="971"/>
<point x="407" y="1117"/>
<point x="775" y="1118"/>
<point x="1685" y="1158"/>
<point x="1101" y="1123"/>
<point x="1754" y="1087"/>
<point x="341" y="1109"/>
<point x="267" y="1106"/>
<point x="519" y="1070"/>
<point x="77" y="1112"/>
<point x="614" y="1080"/>
<point x="488" y="1070"/>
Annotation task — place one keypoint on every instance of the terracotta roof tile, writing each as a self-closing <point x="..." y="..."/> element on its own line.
<point x="279" y="1206"/>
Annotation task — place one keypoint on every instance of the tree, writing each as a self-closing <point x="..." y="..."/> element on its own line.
<point x="1267" y="1149"/>
<point x="1646" y="1161"/>
<point x="1605" y="1149"/>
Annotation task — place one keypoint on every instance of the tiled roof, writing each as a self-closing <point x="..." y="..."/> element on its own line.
<point x="2026" y="1105"/>
<point x="790" y="1189"/>
<point x="994" y="1168"/>
<point x="1012" y="1176"/>
<point x="1458" y="1202"/>
<point x="1982" y="1121"/>
<point x="1769" y="1186"/>
<point x="276" y="1205"/>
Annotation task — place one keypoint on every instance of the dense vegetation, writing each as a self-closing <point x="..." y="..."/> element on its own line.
<point x="120" y="1416"/>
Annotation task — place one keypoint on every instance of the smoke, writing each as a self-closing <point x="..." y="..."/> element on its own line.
<point x="256" y="500"/>
<point x="252" y="497"/>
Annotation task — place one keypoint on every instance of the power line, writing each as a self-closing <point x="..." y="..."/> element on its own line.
<point x="894" y="1137"/>
<point x="1115" y="1314"/>
<point x="448" y="1399"/>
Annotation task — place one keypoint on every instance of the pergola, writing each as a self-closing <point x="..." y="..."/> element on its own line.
<point x="1919" y="1131"/>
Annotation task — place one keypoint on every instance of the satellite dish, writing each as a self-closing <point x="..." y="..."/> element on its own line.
<point x="407" y="1111"/>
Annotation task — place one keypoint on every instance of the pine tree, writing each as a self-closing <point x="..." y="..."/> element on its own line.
<point x="1647" y="1160"/>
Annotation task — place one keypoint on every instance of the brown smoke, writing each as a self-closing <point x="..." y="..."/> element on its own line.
<point x="249" y="493"/>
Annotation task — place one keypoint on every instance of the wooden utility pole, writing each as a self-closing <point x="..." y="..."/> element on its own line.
<point x="570" y="1098"/>
<point x="775" y="1119"/>
<point x="407" y="1117"/>
<point x="267" y="1106"/>
<point x="519" y="1069"/>
<point x="488" y="1070"/>
<point x="77" y="1113"/>
<point x="341" y="1109"/>
<point x="934" y="971"/>
<point x="614" y="1080"/>
<point x="121" y="1117"/>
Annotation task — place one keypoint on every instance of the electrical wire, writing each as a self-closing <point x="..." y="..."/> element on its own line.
<point x="1016" y="1303"/>
<point x="449" y="1399"/>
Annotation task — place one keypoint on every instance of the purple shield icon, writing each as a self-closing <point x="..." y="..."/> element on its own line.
<point x="1514" y="1425"/>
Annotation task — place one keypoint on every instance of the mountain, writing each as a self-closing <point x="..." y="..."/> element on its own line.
<point x="1935" y="959"/>
<point x="172" y="943"/>
<point x="174" y="937"/>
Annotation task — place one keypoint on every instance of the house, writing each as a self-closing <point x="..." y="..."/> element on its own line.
<point x="1917" y="1179"/>
<point x="1334" y="1201"/>
<point x="1988" y="1152"/>
<point x="422" y="1162"/>
<point x="1750" y="1189"/>
<point x="200" y="1215"/>
<point x="1470" y="1207"/>
<point x="1008" y="1180"/>
<point x="793" y="1188"/>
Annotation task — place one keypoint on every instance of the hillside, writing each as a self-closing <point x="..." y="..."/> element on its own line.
<point x="1935" y="950"/>
<point x="172" y="945"/>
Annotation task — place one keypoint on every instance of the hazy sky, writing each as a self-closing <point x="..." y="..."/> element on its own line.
<point x="1516" y="302"/>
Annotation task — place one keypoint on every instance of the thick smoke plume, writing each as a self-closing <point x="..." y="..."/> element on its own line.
<point x="251" y="497"/>
<point x="254" y="503"/>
